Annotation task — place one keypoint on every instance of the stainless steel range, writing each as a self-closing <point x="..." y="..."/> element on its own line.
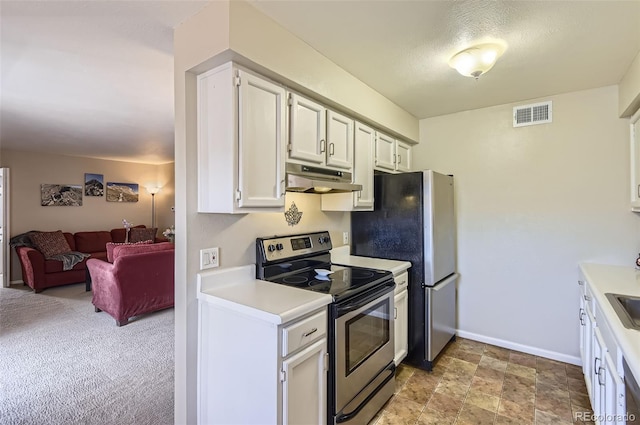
<point x="361" y="339"/>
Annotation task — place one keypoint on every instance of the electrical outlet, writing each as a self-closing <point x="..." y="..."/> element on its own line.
<point x="209" y="258"/>
<point x="345" y="238"/>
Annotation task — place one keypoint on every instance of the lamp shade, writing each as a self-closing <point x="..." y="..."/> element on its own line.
<point x="153" y="190"/>
<point x="476" y="60"/>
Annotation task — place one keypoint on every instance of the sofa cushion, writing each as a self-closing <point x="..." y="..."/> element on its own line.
<point x="128" y="249"/>
<point x="112" y="245"/>
<point x="92" y="241"/>
<point x="50" y="243"/>
<point x="118" y="235"/>
<point x="138" y="235"/>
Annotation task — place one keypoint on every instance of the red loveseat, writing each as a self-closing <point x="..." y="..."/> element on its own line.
<point x="140" y="280"/>
<point x="40" y="273"/>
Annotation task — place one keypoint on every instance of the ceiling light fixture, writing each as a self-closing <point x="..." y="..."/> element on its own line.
<point x="477" y="60"/>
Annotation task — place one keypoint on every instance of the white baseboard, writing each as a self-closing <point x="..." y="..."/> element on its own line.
<point x="17" y="282"/>
<point x="561" y="357"/>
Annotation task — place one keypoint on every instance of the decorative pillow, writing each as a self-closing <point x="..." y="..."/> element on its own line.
<point x="50" y="243"/>
<point x="139" y="235"/>
<point x="111" y="246"/>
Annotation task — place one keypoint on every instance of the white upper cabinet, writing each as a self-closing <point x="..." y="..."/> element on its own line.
<point x="339" y="140"/>
<point x="364" y="141"/>
<point x="241" y="155"/>
<point x="319" y="137"/>
<point x="307" y="139"/>
<point x="635" y="162"/>
<point x="403" y="156"/>
<point x="385" y="152"/>
<point x="392" y="155"/>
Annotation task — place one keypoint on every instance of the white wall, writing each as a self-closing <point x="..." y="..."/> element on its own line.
<point x="532" y="202"/>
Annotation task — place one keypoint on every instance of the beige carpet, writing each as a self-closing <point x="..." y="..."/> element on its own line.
<point x="62" y="363"/>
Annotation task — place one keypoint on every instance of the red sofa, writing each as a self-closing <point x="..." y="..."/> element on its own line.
<point x="39" y="273"/>
<point x="140" y="280"/>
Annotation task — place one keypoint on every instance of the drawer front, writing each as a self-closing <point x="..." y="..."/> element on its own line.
<point x="299" y="334"/>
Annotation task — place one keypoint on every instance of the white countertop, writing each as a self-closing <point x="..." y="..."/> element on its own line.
<point x="618" y="280"/>
<point x="342" y="255"/>
<point x="236" y="288"/>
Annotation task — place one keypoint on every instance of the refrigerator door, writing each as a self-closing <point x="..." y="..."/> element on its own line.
<point x="441" y="315"/>
<point x="439" y="227"/>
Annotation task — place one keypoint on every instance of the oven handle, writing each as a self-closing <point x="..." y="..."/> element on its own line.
<point x="345" y="417"/>
<point x="357" y="303"/>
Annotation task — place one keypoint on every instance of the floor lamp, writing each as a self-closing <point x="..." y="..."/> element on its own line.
<point x="153" y="191"/>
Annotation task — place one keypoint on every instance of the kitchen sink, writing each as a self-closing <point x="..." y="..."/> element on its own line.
<point x="627" y="308"/>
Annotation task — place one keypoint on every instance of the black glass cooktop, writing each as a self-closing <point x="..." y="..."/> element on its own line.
<point x="341" y="282"/>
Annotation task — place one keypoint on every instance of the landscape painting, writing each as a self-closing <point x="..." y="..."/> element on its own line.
<point x="61" y="195"/>
<point x="93" y="184"/>
<point x="122" y="192"/>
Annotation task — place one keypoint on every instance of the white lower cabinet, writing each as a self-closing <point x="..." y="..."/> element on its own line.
<point x="599" y="354"/>
<point x="401" y="316"/>
<point x="252" y="371"/>
<point x="304" y="385"/>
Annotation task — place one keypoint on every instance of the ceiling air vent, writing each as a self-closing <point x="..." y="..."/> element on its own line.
<point x="536" y="113"/>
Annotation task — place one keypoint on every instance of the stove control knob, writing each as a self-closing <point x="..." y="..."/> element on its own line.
<point x="271" y="248"/>
<point x="279" y="247"/>
<point x="323" y="239"/>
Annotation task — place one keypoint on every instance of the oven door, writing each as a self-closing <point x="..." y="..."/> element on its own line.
<point x="364" y="343"/>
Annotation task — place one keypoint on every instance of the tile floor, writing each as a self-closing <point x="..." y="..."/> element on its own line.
<point x="476" y="384"/>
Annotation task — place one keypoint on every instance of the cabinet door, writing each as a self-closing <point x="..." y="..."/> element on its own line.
<point x="589" y="350"/>
<point x="364" y="142"/>
<point x="635" y="162"/>
<point x="304" y="386"/>
<point x="401" y="316"/>
<point x="385" y="152"/>
<point x="339" y="141"/>
<point x="307" y="141"/>
<point x="403" y="156"/>
<point x="261" y="142"/>
<point x="597" y="375"/>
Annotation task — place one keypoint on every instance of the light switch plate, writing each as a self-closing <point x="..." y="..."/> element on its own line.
<point x="345" y="238"/>
<point x="209" y="258"/>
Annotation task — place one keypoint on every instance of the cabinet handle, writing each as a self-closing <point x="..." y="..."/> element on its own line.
<point x="394" y="158"/>
<point x="580" y="283"/>
<point x="282" y="188"/>
<point x="331" y="149"/>
<point x="639" y="191"/>
<point x="587" y="298"/>
<point x="312" y="331"/>
<point x="581" y="317"/>
<point x="399" y="159"/>
<point x="395" y="312"/>
<point x="600" y="376"/>
<point x="595" y="364"/>
<point x="323" y="145"/>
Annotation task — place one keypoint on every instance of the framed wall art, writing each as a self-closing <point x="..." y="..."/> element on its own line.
<point x="93" y="184"/>
<point x="122" y="192"/>
<point x="60" y="195"/>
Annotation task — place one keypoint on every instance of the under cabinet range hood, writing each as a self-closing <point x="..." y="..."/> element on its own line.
<point x="302" y="178"/>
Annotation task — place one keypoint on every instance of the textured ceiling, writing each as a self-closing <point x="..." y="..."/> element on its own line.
<point x="401" y="48"/>
<point x="94" y="78"/>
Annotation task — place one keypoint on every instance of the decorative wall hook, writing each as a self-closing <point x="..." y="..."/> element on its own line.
<point x="292" y="215"/>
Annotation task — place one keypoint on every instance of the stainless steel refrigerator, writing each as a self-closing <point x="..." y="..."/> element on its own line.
<point x="414" y="220"/>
